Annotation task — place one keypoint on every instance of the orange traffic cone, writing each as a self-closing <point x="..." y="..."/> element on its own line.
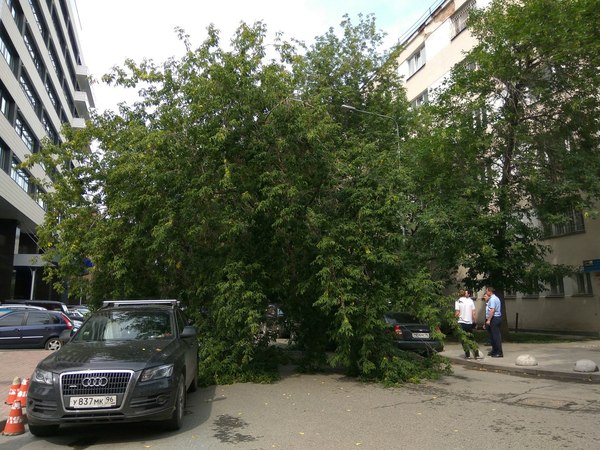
<point x="22" y="394"/>
<point x="14" y="423"/>
<point x="14" y="389"/>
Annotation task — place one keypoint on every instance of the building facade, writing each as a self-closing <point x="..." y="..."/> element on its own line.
<point x="431" y="48"/>
<point x="43" y="84"/>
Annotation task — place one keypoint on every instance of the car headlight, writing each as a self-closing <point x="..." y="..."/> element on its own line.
<point x="42" y="376"/>
<point x="157" y="372"/>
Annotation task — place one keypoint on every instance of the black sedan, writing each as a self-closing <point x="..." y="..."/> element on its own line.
<point x="131" y="361"/>
<point x="30" y="328"/>
<point x="411" y="334"/>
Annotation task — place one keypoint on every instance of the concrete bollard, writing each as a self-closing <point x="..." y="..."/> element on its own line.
<point x="526" y="360"/>
<point x="585" y="365"/>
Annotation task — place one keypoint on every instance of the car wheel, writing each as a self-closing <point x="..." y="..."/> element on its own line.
<point x="43" y="430"/>
<point x="53" y="343"/>
<point x="176" y="420"/>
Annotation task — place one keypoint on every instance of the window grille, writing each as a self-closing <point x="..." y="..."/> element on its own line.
<point x="572" y="223"/>
<point x="460" y="17"/>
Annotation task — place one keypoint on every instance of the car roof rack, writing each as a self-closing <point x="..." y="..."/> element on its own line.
<point x="141" y="302"/>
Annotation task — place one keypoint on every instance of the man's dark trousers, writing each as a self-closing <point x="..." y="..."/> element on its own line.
<point x="495" y="335"/>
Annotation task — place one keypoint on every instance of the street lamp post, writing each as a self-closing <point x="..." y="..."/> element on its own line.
<point x="354" y="109"/>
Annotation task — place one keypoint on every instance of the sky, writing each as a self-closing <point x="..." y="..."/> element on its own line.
<point x="114" y="30"/>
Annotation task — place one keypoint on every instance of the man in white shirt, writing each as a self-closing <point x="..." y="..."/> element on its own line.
<point x="464" y="309"/>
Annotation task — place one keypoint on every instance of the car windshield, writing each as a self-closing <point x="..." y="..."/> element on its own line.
<point x="121" y="325"/>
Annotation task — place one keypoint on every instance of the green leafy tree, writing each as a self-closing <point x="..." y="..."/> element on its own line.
<point x="511" y="141"/>
<point x="238" y="181"/>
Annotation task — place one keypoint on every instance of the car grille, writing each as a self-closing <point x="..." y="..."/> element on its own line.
<point x="95" y="383"/>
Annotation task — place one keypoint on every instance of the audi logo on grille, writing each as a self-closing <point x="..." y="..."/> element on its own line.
<point x="94" y="382"/>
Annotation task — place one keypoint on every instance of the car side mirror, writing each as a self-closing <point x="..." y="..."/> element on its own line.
<point x="189" y="331"/>
<point x="65" y="336"/>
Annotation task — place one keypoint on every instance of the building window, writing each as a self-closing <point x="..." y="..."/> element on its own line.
<point x="50" y="130"/>
<point x="6" y="50"/>
<point x="71" y="68"/>
<point x="584" y="283"/>
<point x="4" y="105"/>
<point x="4" y="157"/>
<point x="416" y="60"/>
<point x="15" y="11"/>
<point x="460" y="17"/>
<point x="38" y="195"/>
<point x="51" y="93"/>
<point x="25" y="134"/>
<point x="54" y="59"/>
<point x="71" y="104"/>
<point x="29" y="92"/>
<point x="35" y="9"/>
<point x="33" y="52"/>
<point x="6" y="102"/>
<point x="572" y="223"/>
<point x="480" y="119"/>
<point x="470" y="66"/>
<point x="19" y="175"/>
<point x="557" y="287"/>
<point x="420" y="100"/>
<point x="532" y="288"/>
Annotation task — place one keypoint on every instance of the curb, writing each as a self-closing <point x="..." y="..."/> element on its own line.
<point x="529" y="372"/>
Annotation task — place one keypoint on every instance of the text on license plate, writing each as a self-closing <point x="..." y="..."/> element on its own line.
<point x="421" y="335"/>
<point x="96" y="401"/>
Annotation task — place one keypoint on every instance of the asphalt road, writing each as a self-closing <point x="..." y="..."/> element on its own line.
<point x="469" y="410"/>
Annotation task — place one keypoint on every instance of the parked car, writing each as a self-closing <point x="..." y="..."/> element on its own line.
<point x="51" y="305"/>
<point x="7" y="307"/>
<point x="274" y="323"/>
<point x="411" y="334"/>
<point x="131" y="361"/>
<point x="76" y="317"/>
<point x="25" y="328"/>
<point x="84" y="310"/>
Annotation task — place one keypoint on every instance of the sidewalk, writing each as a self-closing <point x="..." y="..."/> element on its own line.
<point x="15" y="363"/>
<point x="555" y="360"/>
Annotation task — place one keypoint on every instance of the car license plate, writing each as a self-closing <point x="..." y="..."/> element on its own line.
<point x="96" y="401"/>
<point x="421" y="335"/>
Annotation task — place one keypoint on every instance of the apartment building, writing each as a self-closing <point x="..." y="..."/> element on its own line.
<point x="43" y="84"/>
<point x="431" y="48"/>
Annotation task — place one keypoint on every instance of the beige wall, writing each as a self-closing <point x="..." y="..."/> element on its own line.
<point x="577" y="315"/>
<point x="442" y="51"/>
<point x="573" y="311"/>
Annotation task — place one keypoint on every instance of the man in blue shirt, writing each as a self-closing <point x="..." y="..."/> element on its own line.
<point x="493" y="320"/>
